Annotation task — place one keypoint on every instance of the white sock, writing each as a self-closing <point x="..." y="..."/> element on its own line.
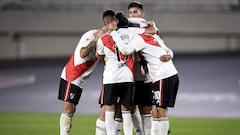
<point x="147" y="123"/>
<point x="137" y="123"/>
<point x="155" y="127"/>
<point x="160" y="126"/>
<point x="118" y="125"/>
<point x="164" y="126"/>
<point x="65" y="123"/>
<point x="127" y="123"/>
<point x="100" y="127"/>
<point x="109" y="122"/>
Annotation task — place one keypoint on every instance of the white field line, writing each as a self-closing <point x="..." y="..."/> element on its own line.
<point x="208" y="97"/>
<point x="11" y="81"/>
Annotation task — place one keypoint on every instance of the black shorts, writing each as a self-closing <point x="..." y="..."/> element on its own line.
<point x="165" y="92"/>
<point x="143" y="94"/>
<point x="118" y="93"/>
<point x="69" y="92"/>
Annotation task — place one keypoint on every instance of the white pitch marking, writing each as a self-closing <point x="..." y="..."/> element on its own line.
<point x="209" y="97"/>
<point x="16" y="80"/>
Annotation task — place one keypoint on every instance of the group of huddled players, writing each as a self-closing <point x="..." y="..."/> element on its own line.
<point x="140" y="80"/>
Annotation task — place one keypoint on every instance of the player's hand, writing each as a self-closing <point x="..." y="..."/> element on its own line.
<point x="165" y="58"/>
<point x="98" y="33"/>
<point x="149" y="23"/>
<point x="151" y="28"/>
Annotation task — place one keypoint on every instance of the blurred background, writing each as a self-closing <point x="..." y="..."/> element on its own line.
<point x="38" y="36"/>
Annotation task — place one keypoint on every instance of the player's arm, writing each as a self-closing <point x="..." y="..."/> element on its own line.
<point x="99" y="57"/>
<point x="148" y="29"/>
<point x="169" y="55"/>
<point x="165" y="58"/>
<point x="99" y="50"/>
<point x="86" y="50"/>
<point x="151" y="28"/>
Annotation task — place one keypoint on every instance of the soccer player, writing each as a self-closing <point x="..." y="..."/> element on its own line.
<point x="143" y="95"/>
<point x="163" y="74"/>
<point x="75" y="75"/>
<point x="117" y="76"/>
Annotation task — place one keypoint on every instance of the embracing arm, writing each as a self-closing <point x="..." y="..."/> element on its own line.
<point x="99" y="57"/>
<point x="86" y="50"/>
<point x="169" y="55"/>
<point x="100" y="50"/>
<point x="151" y="28"/>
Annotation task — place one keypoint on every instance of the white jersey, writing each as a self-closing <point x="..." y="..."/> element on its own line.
<point x="152" y="48"/>
<point x="78" y="69"/>
<point x="118" y="67"/>
<point x="126" y="35"/>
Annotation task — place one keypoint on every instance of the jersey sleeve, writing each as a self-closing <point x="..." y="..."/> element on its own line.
<point x="140" y="21"/>
<point x="141" y="45"/>
<point x="86" y="38"/>
<point x="100" y="47"/>
<point x="124" y="48"/>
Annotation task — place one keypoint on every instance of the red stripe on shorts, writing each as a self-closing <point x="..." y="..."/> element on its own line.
<point x="161" y="89"/>
<point x="67" y="91"/>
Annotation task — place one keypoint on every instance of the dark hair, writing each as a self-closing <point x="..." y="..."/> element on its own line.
<point x="122" y="20"/>
<point x="135" y="4"/>
<point x="109" y="13"/>
<point x="133" y="25"/>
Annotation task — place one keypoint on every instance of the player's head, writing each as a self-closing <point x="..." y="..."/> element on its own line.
<point x="135" y="9"/>
<point x="109" y="16"/>
<point x="122" y="20"/>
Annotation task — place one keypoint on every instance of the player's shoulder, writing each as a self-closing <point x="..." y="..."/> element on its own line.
<point x="89" y="35"/>
<point x="90" y="32"/>
<point x="122" y="30"/>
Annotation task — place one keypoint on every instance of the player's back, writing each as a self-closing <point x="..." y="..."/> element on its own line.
<point x="153" y="49"/>
<point x="116" y="64"/>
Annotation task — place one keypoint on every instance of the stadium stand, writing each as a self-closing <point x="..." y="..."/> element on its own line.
<point x="51" y="28"/>
<point x="82" y="5"/>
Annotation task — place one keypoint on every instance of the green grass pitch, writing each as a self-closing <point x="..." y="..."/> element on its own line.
<point x="48" y="124"/>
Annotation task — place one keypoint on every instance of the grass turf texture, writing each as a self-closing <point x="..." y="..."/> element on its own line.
<point x="48" y="124"/>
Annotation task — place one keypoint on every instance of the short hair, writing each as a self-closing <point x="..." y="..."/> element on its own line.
<point x="108" y="12"/>
<point x="136" y="4"/>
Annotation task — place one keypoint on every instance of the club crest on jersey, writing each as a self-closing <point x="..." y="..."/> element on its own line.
<point x="87" y="39"/>
<point x="72" y="95"/>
